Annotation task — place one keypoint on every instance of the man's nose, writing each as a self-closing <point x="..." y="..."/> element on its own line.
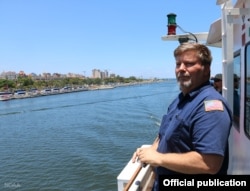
<point x="182" y="66"/>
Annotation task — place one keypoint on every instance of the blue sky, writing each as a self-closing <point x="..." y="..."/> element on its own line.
<point x="123" y="36"/>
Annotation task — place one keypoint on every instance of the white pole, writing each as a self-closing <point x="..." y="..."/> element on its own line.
<point x="227" y="52"/>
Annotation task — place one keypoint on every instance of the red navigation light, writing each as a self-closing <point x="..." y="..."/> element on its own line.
<point x="171" y="24"/>
<point x="171" y="29"/>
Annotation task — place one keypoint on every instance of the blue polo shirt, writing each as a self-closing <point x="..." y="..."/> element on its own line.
<point x="199" y="121"/>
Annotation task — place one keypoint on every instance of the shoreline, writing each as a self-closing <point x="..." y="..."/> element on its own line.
<point x="33" y="93"/>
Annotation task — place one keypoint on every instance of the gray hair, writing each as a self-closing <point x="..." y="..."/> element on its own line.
<point x="203" y="53"/>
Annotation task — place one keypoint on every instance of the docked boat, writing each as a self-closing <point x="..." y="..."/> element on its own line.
<point x="33" y="92"/>
<point x="4" y="96"/>
<point x="45" y="92"/>
<point x="231" y="34"/>
<point x="18" y="94"/>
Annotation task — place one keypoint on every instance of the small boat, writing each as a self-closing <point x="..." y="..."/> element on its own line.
<point x="46" y="91"/>
<point x="4" y="96"/>
<point x="20" y="94"/>
<point x="33" y="92"/>
<point x="55" y="90"/>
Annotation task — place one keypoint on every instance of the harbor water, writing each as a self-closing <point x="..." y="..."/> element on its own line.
<point x="78" y="141"/>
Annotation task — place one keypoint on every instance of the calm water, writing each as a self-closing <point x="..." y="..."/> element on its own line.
<point x="78" y="141"/>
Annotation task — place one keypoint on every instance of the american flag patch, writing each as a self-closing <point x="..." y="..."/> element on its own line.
<point x="213" y="105"/>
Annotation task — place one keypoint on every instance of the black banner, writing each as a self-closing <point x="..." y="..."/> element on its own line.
<point x="204" y="182"/>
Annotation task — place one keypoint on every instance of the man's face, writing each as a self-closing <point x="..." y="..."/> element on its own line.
<point x="218" y="84"/>
<point x="190" y="73"/>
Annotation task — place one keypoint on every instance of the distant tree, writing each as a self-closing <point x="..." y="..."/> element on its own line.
<point x="132" y="78"/>
<point x="97" y="81"/>
<point x="27" y="82"/>
<point x="24" y="82"/>
<point x="7" y="84"/>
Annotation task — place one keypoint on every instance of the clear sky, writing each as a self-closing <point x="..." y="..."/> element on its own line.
<point x="121" y="36"/>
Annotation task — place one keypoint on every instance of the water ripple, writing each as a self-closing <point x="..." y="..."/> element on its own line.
<point x="79" y="141"/>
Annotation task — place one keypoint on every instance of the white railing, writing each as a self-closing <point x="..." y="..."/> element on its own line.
<point x="136" y="177"/>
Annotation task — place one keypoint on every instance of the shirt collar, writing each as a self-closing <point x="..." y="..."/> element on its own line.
<point x="195" y="91"/>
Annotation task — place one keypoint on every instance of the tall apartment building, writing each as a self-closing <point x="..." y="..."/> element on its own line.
<point x="9" y="75"/>
<point x="96" y="73"/>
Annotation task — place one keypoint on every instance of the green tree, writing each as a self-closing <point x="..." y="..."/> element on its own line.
<point x="24" y="82"/>
<point x="7" y="84"/>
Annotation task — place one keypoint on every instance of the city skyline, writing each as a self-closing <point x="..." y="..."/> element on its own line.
<point x="96" y="73"/>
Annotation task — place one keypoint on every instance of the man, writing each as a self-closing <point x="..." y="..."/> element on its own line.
<point x="218" y="82"/>
<point x="193" y="136"/>
<point x="218" y="86"/>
